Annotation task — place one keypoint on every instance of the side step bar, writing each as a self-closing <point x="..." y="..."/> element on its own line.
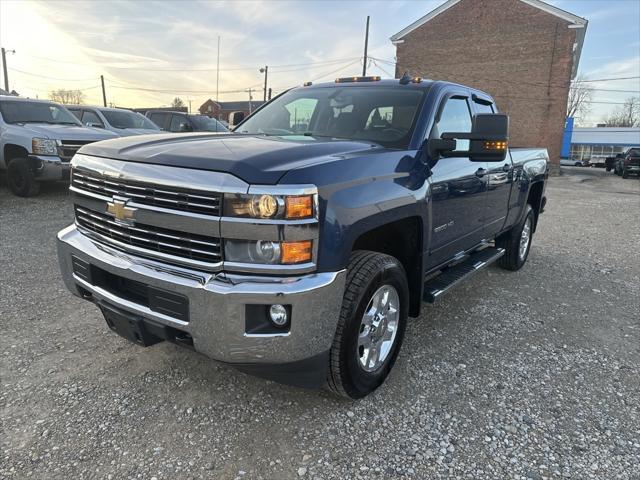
<point x="452" y="276"/>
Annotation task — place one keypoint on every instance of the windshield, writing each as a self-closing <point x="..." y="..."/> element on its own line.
<point x="127" y="119"/>
<point x="207" y="124"/>
<point x="378" y="114"/>
<point x="36" y="112"/>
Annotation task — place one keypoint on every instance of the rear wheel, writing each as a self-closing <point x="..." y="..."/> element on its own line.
<point x="517" y="242"/>
<point x="21" y="179"/>
<point x="371" y="325"/>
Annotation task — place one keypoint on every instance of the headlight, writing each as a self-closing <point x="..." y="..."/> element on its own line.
<point x="291" y="207"/>
<point x="44" y="146"/>
<point x="268" y="253"/>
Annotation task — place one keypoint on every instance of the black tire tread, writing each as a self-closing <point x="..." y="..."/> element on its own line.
<point x="34" y="186"/>
<point x="510" y="241"/>
<point x="362" y="266"/>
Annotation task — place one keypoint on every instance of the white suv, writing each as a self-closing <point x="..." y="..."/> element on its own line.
<point x="37" y="140"/>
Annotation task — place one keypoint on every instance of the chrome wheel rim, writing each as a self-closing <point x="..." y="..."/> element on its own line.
<point x="524" y="238"/>
<point x="378" y="328"/>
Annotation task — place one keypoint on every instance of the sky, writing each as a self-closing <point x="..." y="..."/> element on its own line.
<point x="152" y="51"/>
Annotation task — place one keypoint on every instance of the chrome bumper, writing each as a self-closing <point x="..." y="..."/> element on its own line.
<point x="218" y="303"/>
<point x="50" y="168"/>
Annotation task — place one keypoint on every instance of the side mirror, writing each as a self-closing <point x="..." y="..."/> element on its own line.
<point x="235" y="118"/>
<point x="489" y="139"/>
<point x="185" y="127"/>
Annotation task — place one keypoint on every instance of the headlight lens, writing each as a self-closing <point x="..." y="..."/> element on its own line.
<point x="44" y="146"/>
<point x="268" y="253"/>
<point x="268" y="206"/>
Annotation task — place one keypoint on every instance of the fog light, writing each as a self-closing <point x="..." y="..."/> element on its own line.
<point x="278" y="315"/>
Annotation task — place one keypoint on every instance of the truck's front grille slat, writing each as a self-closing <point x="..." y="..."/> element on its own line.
<point x="194" y="201"/>
<point x="200" y="248"/>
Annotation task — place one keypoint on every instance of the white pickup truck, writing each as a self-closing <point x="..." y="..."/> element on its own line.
<point x="37" y="141"/>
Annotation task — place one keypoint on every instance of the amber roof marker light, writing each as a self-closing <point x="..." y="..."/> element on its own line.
<point x="374" y="78"/>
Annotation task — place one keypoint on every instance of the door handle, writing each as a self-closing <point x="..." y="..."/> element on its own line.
<point x="506" y="167"/>
<point x="480" y="172"/>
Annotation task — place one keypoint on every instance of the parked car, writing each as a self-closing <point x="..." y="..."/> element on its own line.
<point x="570" y="162"/>
<point x="120" y="121"/>
<point x="610" y="162"/>
<point x="299" y="256"/>
<point x="37" y="140"/>
<point x="617" y="165"/>
<point x="598" y="161"/>
<point x="629" y="163"/>
<point x="178" y="122"/>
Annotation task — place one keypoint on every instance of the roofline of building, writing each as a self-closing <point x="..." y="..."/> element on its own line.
<point x="574" y="22"/>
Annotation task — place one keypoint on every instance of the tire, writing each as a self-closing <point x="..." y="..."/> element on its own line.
<point x="513" y="258"/>
<point x="625" y="174"/>
<point x="608" y="169"/>
<point x="577" y="164"/>
<point x="370" y="276"/>
<point x="20" y="178"/>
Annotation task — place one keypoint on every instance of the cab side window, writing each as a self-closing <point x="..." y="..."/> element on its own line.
<point x="159" y="119"/>
<point x="89" y="117"/>
<point x="455" y="117"/>
<point x="482" y="107"/>
<point x="180" y="123"/>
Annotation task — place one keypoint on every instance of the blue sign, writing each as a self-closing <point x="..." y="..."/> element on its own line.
<point x="566" y="138"/>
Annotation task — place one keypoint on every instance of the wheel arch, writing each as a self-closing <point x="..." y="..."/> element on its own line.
<point x="402" y="239"/>
<point x="536" y="199"/>
<point x="11" y="150"/>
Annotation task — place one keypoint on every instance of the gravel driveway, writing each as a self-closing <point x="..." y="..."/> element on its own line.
<point x="534" y="374"/>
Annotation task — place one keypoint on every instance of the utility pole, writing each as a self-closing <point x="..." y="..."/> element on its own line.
<point x="4" y="67"/>
<point x="269" y="96"/>
<point x="189" y="105"/>
<point x="250" y="98"/>
<point x="218" y="70"/>
<point x="265" y="70"/>
<point x="104" y="94"/>
<point x="366" y="44"/>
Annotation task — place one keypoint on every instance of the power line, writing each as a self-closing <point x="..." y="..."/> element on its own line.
<point x="52" y="78"/>
<point x="187" y="69"/>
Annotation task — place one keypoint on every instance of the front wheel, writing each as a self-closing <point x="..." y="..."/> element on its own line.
<point x="371" y="324"/>
<point x="20" y="178"/>
<point x="625" y="174"/>
<point x="517" y="242"/>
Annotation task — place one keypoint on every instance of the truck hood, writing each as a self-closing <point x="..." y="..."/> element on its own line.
<point x="67" y="132"/>
<point x="254" y="159"/>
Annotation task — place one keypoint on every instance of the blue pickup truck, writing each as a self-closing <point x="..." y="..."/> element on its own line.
<point x="297" y="246"/>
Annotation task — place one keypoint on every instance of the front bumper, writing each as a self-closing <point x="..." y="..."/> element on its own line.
<point x="49" y="168"/>
<point x="218" y="310"/>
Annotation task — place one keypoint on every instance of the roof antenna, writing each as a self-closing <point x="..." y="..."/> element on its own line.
<point x="406" y="78"/>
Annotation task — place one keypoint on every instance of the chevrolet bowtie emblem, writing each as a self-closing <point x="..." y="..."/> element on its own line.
<point x="118" y="208"/>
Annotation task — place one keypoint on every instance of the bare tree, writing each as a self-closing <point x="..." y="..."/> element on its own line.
<point x="627" y="115"/>
<point x="579" y="98"/>
<point x="68" y="97"/>
<point x="177" y="103"/>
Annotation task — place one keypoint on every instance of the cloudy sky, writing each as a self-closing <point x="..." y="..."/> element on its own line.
<point x="151" y="51"/>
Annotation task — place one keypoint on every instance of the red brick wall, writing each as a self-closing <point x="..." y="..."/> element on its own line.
<point x="519" y="54"/>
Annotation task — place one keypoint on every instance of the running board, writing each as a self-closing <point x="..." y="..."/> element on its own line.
<point x="452" y="276"/>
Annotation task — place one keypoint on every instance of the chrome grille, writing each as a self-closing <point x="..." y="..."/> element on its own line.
<point x="195" y="201"/>
<point x="68" y="148"/>
<point x="150" y="240"/>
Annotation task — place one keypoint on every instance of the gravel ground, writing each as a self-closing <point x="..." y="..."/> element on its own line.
<point x="534" y="374"/>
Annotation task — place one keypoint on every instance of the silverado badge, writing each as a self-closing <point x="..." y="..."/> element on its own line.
<point x="118" y="208"/>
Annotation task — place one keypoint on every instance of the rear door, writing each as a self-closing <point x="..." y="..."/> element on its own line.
<point x="499" y="181"/>
<point x="458" y="187"/>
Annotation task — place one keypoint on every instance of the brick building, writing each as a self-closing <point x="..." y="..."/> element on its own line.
<point x="221" y="110"/>
<point x="523" y="52"/>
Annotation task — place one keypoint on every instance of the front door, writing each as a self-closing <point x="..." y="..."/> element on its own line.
<point x="458" y="188"/>
<point x="499" y="182"/>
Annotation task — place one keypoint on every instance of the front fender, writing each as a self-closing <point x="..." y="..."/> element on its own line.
<point x="359" y="194"/>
